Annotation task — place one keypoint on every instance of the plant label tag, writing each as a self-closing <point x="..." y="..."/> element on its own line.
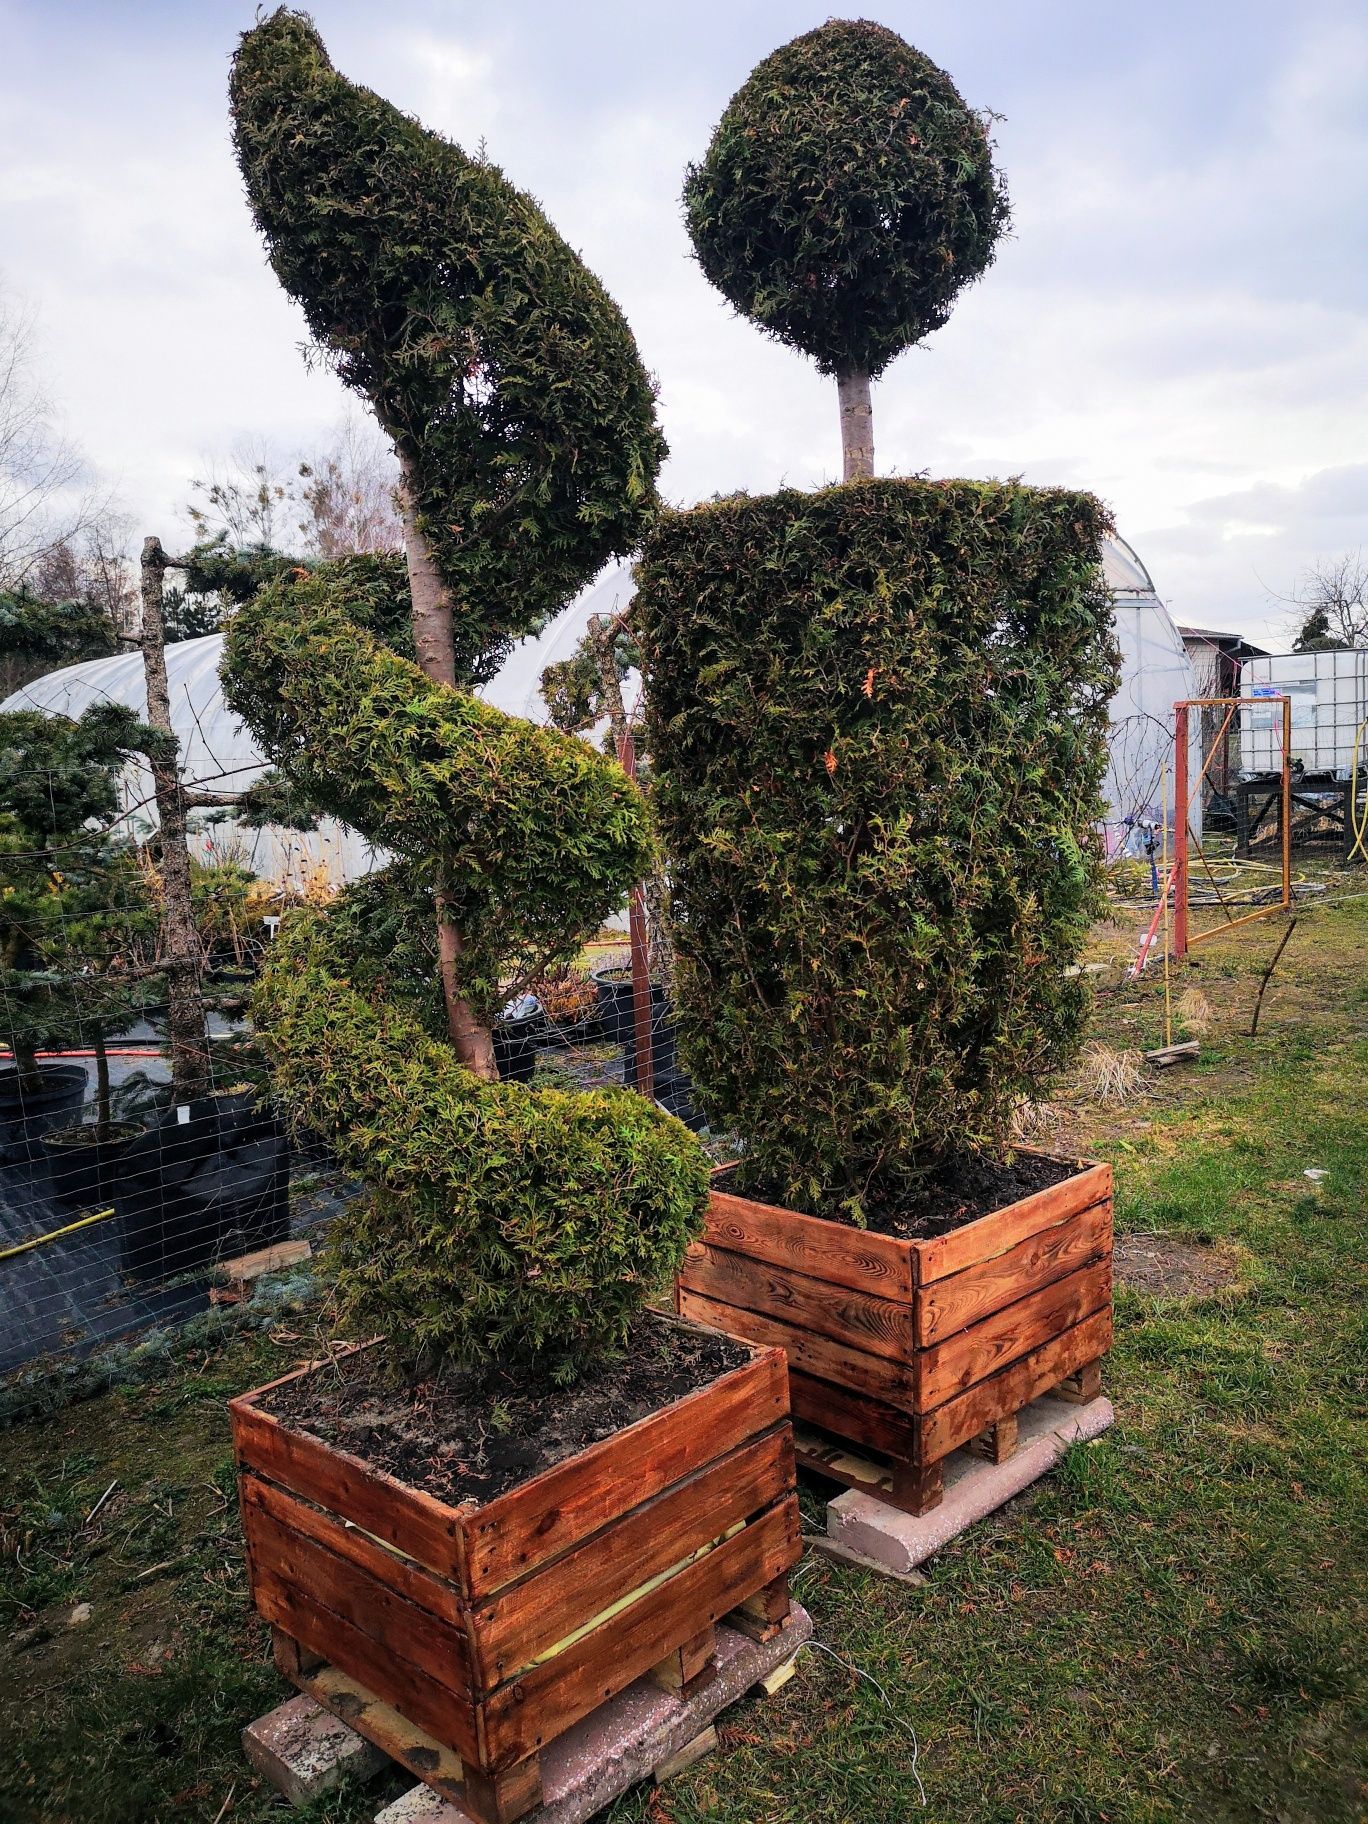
<point x="183" y="1113"/>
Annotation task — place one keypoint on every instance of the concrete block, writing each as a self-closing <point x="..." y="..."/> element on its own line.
<point x="628" y="1738"/>
<point x="886" y="1539"/>
<point x="303" y="1750"/>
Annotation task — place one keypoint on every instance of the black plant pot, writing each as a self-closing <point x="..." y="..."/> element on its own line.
<point x="617" y="1007"/>
<point x="515" y="1045"/>
<point x="209" y="1181"/>
<point x="26" y="1114"/>
<point x="81" y="1167"/>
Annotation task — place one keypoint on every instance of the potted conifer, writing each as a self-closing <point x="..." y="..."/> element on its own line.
<point x="74" y="909"/>
<point x="531" y="1491"/>
<point x="876" y="720"/>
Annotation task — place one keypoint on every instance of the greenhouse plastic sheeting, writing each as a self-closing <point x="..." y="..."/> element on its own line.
<point x="220" y="755"/>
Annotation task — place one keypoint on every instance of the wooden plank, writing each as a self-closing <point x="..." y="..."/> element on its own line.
<point x="368" y="1604"/>
<point x="418" y="1586"/>
<point x="854" y="1417"/>
<point x="991" y="1235"/>
<point x="537" y="1521"/>
<point x="380" y="1669"/>
<point x="813" y="1354"/>
<point x="535" y="1708"/>
<point x="402" y="1740"/>
<point x="878" y="1326"/>
<point x="422" y="1528"/>
<point x="243" y="1269"/>
<point x="524" y="1620"/>
<point x="830" y="1251"/>
<point x="501" y="1798"/>
<point x="974" y="1355"/>
<point x="1084" y="1384"/>
<point x="761" y="1616"/>
<point x="1011" y="1388"/>
<point x="961" y="1299"/>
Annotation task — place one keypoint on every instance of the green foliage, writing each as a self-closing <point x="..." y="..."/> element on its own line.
<point x="572" y="688"/>
<point x="503" y="1222"/>
<point x="504" y="372"/>
<point x="37" y="636"/>
<point x="846" y="197"/>
<point x="524" y="1224"/>
<point x="75" y="911"/>
<point x="877" y="717"/>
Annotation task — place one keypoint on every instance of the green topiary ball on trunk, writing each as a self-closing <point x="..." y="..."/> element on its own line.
<point x="847" y="196"/>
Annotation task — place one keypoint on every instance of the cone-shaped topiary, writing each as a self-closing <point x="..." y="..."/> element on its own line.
<point x="523" y="1224"/>
<point x="846" y="197"/>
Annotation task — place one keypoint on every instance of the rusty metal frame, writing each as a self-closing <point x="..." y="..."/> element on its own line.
<point x="1183" y="939"/>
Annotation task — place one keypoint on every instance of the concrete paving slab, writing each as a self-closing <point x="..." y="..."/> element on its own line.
<point x="304" y="1750"/>
<point x="627" y="1739"/>
<point x="884" y="1538"/>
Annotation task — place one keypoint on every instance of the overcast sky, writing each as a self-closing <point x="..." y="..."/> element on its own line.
<point x="1180" y="321"/>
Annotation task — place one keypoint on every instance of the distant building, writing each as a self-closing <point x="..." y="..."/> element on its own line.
<point x="1217" y="659"/>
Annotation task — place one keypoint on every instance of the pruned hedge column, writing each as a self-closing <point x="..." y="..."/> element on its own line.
<point x="876" y="718"/>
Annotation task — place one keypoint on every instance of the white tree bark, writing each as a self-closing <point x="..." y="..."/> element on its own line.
<point x="857" y="424"/>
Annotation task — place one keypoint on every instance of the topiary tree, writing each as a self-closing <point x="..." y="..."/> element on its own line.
<point x="503" y="1221"/>
<point x="876" y="714"/>
<point x="847" y="196"/>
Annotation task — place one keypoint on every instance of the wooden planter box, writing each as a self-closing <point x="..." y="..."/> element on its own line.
<point x="912" y="1348"/>
<point x="463" y="1639"/>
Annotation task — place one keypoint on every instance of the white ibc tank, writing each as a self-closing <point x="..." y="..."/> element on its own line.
<point x="1329" y="697"/>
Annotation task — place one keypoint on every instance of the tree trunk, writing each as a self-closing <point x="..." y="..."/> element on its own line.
<point x="190" y="1072"/>
<point x="103" y="1110"/>
<point x="471" y="1039"/>
<point x="653" y="888"/>
<point x="430" y="597"/>
<point x="857" y="424"/>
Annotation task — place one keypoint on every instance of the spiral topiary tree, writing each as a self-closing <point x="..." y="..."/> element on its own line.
<point x="504" y="1222"/>
<point x="847" y="196"/>
<point x="876" y="713"/>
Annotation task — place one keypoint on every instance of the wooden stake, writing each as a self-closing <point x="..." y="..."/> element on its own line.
<point x="1267" y="978"/>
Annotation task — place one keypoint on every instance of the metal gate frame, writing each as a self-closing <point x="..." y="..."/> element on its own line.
<point x="1183" y="939"/>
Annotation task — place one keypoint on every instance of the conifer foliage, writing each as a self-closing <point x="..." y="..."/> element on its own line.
<point x="503" y="1222"/>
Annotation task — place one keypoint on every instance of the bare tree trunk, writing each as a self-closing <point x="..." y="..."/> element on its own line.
<point x="431" y="599"/>
<point x="653" y="887"/>
<point x="103" y="1089"/>
<point x="190" y="1073"/>
<point x="857" y="424"/>
<point x="471" y="1039"/>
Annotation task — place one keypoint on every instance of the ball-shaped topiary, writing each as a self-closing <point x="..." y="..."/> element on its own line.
<point x="847" y="196"/>
<point x="505" y="1222"/>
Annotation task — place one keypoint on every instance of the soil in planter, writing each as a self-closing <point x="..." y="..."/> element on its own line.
<point x="468" y="1435"/>
<point x="958" y="1191"/>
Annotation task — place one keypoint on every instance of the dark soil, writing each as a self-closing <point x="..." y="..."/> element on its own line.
<point x="468" y="1435"/>
<point x="957" y="1192"/>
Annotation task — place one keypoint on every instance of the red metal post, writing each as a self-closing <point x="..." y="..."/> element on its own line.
<point x="1180" y="830"/>
<point x="641" y="960"/>
<point x="1285" y="807"/>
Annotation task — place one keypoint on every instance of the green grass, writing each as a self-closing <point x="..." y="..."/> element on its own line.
<point x="1170" y="1627"/>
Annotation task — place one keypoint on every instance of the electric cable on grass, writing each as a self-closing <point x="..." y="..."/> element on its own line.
<point x="898" y="1718"/>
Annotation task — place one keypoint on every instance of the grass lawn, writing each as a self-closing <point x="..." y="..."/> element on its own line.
<point x="1170" y="1627"/>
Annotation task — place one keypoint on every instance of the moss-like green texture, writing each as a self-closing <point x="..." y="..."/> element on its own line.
<point x="877" y="720"/>
<point x="846" y="197"/>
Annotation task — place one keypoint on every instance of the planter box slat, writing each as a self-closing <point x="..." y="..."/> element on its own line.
<point x="295" y="1516"/>
<point x="808" y="1351"/>
<point x="878" y="1326"/>
<point x="527" y="1619"/>
<point x="537" y="1521"/>
<point x="829" y="1251"/>
<point x="412" y="1522"/>
<point x="546" y="1700"/>
<point x="854" y="1416"/>
<point x="544" y="1602"/>
<point x="992" y="1235"/>
<point x="1010" y="1389"/>
<point x="372" y="1606"/>
<point x="976" y="1354"/>
<point x="912" y="1347"/>
<point x="380" y="1669"/>
<point x="951" y="1304"/>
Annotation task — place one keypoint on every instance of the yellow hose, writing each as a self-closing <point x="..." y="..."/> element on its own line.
<point x="36" y="1241"/>
<point x="1357" y="825"/>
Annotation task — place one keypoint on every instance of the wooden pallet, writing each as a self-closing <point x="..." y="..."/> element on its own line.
<point x="492" y="1629"/>
<point x="909" y="1349"/>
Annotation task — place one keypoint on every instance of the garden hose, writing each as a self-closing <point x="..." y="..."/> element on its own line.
<point x="1358" y="826"/>
<point x="36" y="1241"/>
